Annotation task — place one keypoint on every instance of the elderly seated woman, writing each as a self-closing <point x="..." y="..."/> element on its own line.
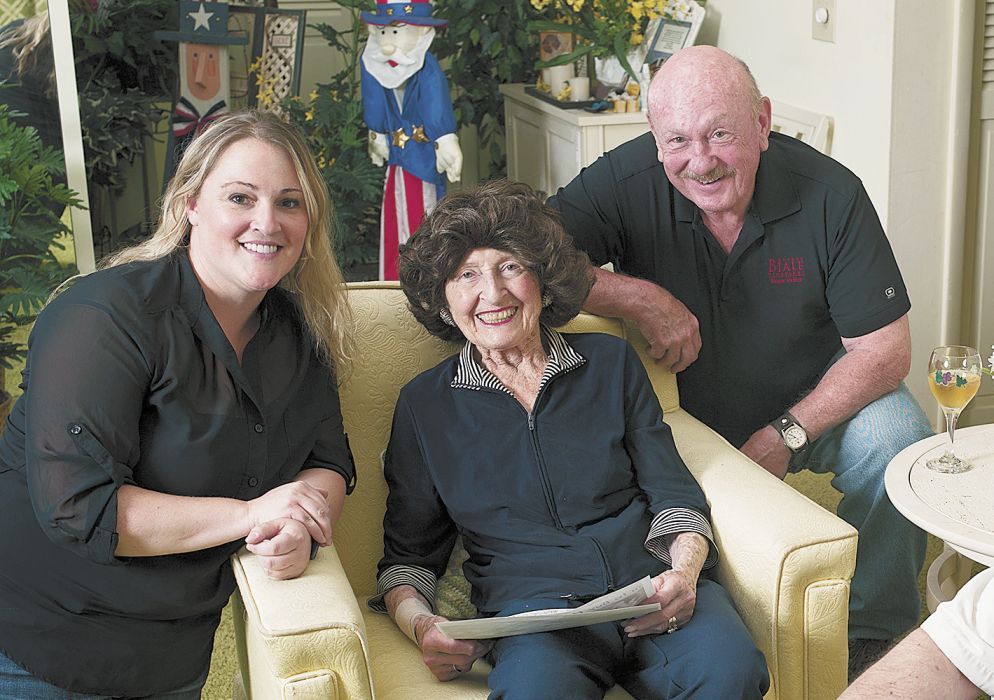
<point x="548" y="454"/>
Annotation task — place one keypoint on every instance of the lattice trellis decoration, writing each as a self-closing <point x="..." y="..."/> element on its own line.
<point x="279" y="71"/>
<point x="16" y="9"/>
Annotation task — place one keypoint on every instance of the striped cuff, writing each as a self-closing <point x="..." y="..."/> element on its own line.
<point x="419" y="577"/>
<point x="673" y="521"/>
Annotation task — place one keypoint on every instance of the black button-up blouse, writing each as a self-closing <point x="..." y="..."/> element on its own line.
<point x="130" y="380"/>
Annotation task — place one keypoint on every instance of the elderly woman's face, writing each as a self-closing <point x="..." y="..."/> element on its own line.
<point x="494" y="300"/>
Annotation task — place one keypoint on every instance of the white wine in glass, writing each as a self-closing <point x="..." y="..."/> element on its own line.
<point x="954" y="378"/>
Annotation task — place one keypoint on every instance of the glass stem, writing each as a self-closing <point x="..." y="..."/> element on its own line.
<point x="952" y="415"/>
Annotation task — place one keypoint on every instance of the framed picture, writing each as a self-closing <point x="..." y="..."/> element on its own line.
<point x="270" y="63"/>
<point x="552" y="44"/>
<point x="664" y="37"/>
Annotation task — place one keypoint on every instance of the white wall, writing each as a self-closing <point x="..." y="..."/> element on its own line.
<point x="884" y="81"/>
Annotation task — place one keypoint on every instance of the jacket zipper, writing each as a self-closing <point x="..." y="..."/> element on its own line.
<point x="607" y="569"/>
<point x="550" y="500"/>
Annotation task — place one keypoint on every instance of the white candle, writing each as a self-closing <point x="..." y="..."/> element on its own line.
<point x="580" y="89"/>
<point x="557" y="76"/>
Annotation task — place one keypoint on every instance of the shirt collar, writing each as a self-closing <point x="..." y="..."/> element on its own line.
<point x="191" y="298"/>
<point x="562" y="359"/>
<point x="774" y="197"/>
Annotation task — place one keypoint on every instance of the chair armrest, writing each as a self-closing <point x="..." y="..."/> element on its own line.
<point x="300" y="638"/>
<point x="785" y="561"/>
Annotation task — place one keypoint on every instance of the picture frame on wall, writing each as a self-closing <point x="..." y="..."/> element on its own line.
<point x="271" y="60"/>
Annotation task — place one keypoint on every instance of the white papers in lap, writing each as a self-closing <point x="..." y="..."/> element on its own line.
<point x="617" y="605"/>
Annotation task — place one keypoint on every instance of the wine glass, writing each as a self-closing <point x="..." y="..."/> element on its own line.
<point x="954" y="377"/>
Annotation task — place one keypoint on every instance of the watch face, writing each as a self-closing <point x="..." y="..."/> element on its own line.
<point x="795" y="437"/>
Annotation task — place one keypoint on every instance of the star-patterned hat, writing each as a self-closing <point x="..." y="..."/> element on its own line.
<point x="416" y="12"/>
<point x="202" y="23"/>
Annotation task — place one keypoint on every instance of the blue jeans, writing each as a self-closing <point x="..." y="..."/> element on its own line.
<point x="884" y="600"/>
<point x="18" y="684"/>
<point x="712" y="657"/>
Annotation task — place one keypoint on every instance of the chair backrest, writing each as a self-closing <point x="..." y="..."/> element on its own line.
<point x="392" y="349"/>
<point x="810" y="127"/>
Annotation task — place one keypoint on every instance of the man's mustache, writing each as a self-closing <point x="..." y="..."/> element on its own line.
<point x="715" y="173"/>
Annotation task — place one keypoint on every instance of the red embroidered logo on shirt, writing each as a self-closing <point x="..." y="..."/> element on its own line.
<point x="786" y="270"/>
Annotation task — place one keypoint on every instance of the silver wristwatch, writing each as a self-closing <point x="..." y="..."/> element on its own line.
<point x="791" y="432"/>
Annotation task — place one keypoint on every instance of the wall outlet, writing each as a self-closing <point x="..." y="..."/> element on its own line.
<point x="823" y="20"/>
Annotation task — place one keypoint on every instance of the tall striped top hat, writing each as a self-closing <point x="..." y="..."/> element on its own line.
<point x="411" y="12"/>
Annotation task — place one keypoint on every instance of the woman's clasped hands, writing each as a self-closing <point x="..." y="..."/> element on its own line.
<point x="284" y="521"/>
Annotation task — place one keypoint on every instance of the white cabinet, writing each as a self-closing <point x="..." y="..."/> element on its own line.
<point x="547" y="145"/>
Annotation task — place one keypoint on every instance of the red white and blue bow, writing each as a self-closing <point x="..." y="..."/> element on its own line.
<point x="187" y="118"/>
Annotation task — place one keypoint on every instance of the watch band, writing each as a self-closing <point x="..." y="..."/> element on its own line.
<point x="792" y="433"/>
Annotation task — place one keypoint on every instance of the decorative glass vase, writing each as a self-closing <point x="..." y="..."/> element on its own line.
<point x="611" y="74"/>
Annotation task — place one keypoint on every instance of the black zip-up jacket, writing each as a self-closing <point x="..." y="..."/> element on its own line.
<point x="570" y="500"/>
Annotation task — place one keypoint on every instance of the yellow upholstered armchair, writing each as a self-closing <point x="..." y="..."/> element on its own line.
<point x="785" y="561"/>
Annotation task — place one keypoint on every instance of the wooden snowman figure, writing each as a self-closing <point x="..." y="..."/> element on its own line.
<point x="408" y="110"/>
<point x="204" y="91"/>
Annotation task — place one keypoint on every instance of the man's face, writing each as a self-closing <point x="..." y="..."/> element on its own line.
<point x="203" y="76"/>
<point x="709" y="138"/>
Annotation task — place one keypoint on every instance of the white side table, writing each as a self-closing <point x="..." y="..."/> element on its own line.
<point x="548" y="145"/>
<point x="957" y="508"/>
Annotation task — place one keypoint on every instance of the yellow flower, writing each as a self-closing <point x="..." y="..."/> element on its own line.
<point x="637" y="38"/>
<point x="313" y="95"/>
<point x="309" y="115"/>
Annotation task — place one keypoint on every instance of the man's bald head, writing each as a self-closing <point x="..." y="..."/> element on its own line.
<point x="689" y="68"/>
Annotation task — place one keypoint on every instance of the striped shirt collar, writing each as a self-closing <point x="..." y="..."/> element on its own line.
<point x="562" y="358"/>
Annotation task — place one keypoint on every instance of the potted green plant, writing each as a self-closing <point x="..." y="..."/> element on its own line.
<point x="32" y="198"/>
<point x="126" y="77"/>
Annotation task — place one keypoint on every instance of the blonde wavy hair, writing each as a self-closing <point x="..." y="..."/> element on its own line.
<point x="31" y="45"/>
<point x="315" y="283"/>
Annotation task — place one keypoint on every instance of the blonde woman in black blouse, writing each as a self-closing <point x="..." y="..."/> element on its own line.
<point x="178" y="404"/>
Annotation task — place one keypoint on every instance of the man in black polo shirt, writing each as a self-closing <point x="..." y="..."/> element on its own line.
<point x="761" y="274"/>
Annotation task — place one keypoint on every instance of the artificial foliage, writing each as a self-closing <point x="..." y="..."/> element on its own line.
<point x="124" y="74"/>
<point x="486" y="44"/>
<point x="331" y="118"/>
<point x="604" y="28"/>
<point x="32" y="198"/>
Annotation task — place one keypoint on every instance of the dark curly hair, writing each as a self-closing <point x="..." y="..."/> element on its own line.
<point x="501" y="215"/>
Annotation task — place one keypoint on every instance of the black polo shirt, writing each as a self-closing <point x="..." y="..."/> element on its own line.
<point x="812" y="264"/>
<point x="130" y="380"/>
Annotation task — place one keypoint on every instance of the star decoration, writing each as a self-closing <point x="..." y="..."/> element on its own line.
<point x="400" y="139"/>
<point x="418" y="134"/>
<point x="201" y="18"/>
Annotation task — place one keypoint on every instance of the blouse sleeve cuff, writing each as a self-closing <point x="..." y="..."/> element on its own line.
<point x="673" y="521"/>
<point x="422" y="579"/>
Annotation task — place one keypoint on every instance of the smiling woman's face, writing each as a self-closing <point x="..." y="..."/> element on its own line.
<point x="495" y="300"/>
<point x="248" y="222"/>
